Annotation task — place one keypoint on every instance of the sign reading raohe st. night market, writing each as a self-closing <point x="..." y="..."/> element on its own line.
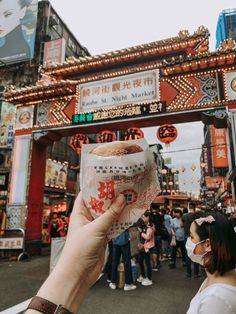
<point x="126" y="89"/>
<point x="120" y="113"/>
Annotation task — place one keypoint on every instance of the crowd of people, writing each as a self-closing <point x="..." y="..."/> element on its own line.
<point x="162" y="236"/>
<point x="205" y="239"/>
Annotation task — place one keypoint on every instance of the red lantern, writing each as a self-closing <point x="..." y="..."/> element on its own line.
<point x="167" y="133"/>
<point x="106" y="136"/>
<point x="133" y="133"/>
<point x="77" y="141"/>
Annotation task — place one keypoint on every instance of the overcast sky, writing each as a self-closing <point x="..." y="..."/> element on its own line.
<point x="106" y="25"/>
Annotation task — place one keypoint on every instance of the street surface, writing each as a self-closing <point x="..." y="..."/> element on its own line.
<point x="170" y="293"/>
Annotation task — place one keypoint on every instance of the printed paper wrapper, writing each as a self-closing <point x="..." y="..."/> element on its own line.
<point x="103" y="178"/>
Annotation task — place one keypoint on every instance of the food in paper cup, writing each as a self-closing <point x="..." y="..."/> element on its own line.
<point x="109" y="169"/>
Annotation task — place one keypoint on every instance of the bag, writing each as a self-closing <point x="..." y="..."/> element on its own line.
<point x="173" y="242"/>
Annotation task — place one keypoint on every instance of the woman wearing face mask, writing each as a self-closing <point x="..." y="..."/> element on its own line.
<point x="212" y="243"/>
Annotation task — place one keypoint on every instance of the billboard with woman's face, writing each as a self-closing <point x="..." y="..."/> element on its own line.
<point x="18" y="19"/>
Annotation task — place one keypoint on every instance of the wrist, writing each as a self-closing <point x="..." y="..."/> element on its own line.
<point x="64" y="287"/>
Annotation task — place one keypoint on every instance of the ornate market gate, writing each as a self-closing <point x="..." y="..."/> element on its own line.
<point x="172" y="80"/>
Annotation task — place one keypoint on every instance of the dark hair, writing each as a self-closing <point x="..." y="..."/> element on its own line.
<point x="150" y="215"/>
<point x="155" y="206"/>
<point x="178" y="211"/>
<point x="223" y="244"/>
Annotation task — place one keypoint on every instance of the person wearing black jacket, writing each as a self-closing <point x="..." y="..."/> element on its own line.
<point x="158" y="221"/>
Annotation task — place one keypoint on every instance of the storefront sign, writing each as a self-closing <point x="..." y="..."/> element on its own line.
<point x="210" y="193"/>
<point x="219" y="147"/>
<point x="126" y="89"/>
<point x="11" y="243"/>
<point x="215" y="182"/>
<point x="121" y="113"/>
<point x="230" y="79"/>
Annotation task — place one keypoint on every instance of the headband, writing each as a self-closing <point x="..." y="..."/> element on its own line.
<point x="200" y="221"/>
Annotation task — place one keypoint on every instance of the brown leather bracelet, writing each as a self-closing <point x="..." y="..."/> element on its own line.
<point x="46" y="307"/>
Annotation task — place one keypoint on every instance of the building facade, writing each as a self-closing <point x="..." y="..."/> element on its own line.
<point x="43" y="39"/>
<point x="226" y="26"/>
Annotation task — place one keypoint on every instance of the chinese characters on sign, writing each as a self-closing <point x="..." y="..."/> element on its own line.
<point x="11" y="243"/>
<point x="206" y="158"/>
<point x="7" y="124"/>
<point x="167" y="133"/>
<point x="215" y="182"/>
<point x="54" y="51"/>
<point x="219" y="147"/>
<point x="132" y="88"/>
<point x="119" y="113"/>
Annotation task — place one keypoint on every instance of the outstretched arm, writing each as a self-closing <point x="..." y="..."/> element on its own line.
<point x="82" y="257"/>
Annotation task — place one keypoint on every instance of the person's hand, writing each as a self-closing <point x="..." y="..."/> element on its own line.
<point x="86" y="242"/>
<point x="82" y="257"/>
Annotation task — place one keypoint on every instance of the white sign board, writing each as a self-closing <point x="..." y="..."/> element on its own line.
<point x="230" y="79"/>
<point x="126" y="89"/>
<point x="11" y="243"/>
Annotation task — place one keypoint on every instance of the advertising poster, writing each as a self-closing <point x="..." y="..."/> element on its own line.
<point x="17" y="31"/>
<point x="8" y="112"/>
<point x="56" y="174"/>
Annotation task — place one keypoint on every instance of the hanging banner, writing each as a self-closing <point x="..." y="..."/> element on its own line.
<point x="206" y="159"/>
<point x="219" y="147"/>
<point x="126" y="89"/>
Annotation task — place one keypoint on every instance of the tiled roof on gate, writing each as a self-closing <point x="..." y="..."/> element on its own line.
<point x="184" y="42"/>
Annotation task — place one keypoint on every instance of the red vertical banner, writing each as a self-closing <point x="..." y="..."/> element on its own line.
<point x="219" y="147"/>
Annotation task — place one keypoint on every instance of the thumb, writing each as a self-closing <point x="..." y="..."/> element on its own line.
<point x="104" y="222"/>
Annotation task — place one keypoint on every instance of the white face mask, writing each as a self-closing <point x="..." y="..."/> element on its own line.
<point x="190" y="247"/>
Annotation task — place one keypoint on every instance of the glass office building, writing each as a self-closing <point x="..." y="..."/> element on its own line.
<point x="226" y="26"/>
